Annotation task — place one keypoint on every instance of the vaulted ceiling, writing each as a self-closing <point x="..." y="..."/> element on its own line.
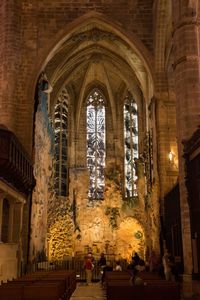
<point x="94" y="53"/>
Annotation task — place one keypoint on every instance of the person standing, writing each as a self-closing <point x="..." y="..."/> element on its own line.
<point x="136" y="258"/>
<point x="118" y="266"/>
<point x="102" y="260"/>
<point x="101" y="264"/>
<point x="153" y="262"/>
<point x="88" y="270"/>
<point x="107" y="268"/>
<point x="167" y="265"/>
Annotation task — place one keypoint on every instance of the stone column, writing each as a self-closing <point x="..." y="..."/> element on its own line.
<point x="10" y="222"/>
<point x="20" y="249"/>
<point x="187" y="89"/>
<point x="164" y="105"/>
<point x="1" y="213"/>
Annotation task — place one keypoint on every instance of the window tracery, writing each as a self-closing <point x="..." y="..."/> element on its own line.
<point x="96" y="144"/>
<point x="61" y="140"/>
<point x="131" y="153"/>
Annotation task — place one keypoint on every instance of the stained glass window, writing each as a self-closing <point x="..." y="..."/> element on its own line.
<point x="61" y="138"/>
<point x="130" y="145"/>
<point x="96" y="144"/>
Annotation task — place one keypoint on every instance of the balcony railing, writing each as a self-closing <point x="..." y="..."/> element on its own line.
<point x="15" y="163"/>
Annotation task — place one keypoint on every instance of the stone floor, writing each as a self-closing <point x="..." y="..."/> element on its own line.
<point x="96" y="292"/>
<point x="89" y="292"/>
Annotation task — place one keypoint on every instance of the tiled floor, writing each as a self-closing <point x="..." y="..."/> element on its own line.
<point x="89" y="292"/>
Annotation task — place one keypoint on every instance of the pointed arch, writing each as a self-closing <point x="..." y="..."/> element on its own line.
<point x="90" y="18"/>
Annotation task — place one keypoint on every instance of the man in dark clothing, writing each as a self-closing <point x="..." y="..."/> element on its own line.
<point x="136" y="258"/>
<point x="102" y="260"/>
<point x="107" y="268"/>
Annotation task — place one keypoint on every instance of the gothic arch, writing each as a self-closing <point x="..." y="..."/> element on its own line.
<point x="90" y="18"/>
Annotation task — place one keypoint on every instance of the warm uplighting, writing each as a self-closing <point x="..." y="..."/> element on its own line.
<point x="171" y="156"/>
<point x="173" y="160"/>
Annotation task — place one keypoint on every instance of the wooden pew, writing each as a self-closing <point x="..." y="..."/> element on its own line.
<point x="70" y="277"/>
<point x="120" y="290"/>
<point x="44" y="291"/>
<point x="120" y="287"/>
<point x="44" y="285"/>
<point x="11" y="292"/>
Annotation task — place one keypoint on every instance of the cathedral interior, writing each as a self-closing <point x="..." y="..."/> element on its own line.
<point x="99" y="131"/>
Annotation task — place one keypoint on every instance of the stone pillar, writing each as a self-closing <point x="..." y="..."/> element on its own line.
<point x="21" y="219"/>
<point x="187" y="89"/>
<point x="163" y="103"/>
<point x="10" y="222"/>
<point x="1" y="213"/>
<point x="20" y="249"/>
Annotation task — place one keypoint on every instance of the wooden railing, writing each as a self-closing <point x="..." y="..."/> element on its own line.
<point x="15" y="163"/>
<point x="76" y="265"/>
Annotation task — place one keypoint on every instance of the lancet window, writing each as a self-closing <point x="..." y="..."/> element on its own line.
<point x="130" y="145"/>
<point x="61" y="140"/>
<point x="96" y="153"/>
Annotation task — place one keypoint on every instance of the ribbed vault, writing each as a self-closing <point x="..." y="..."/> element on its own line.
<point x="96" y="51"/>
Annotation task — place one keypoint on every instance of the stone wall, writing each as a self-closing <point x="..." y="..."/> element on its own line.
<point x="43" y="174"/>
<point x="10" y="39"/>
<point x="114" y="226"/>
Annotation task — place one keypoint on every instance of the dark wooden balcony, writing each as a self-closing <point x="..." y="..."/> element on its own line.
<point x="15" y="164"/>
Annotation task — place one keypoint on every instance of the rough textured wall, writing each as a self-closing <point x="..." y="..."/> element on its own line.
<point x="60" y="233"/>
<point x="43" y="173"/>
<point x="114" y="226"/>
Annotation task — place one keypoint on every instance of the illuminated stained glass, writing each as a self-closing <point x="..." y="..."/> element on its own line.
<point x="130" y="145"/>
<point x="96" y="144"/>
<point x="61" y="135"/>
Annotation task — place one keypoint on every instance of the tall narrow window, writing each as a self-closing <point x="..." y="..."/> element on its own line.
<point x="61" y="134"/>
<point x="130" y="145"/>
<point x="96" y="143"/>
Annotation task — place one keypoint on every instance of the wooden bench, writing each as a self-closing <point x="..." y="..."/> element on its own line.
<point x="41" y="285"/>
<point x="11" y="292"/>
<point x="120" y="290"/>
<point x="120" y="287"/>
<point x="44" y="291"/>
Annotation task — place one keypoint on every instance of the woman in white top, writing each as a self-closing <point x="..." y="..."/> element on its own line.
<point x="118" y="267"/>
